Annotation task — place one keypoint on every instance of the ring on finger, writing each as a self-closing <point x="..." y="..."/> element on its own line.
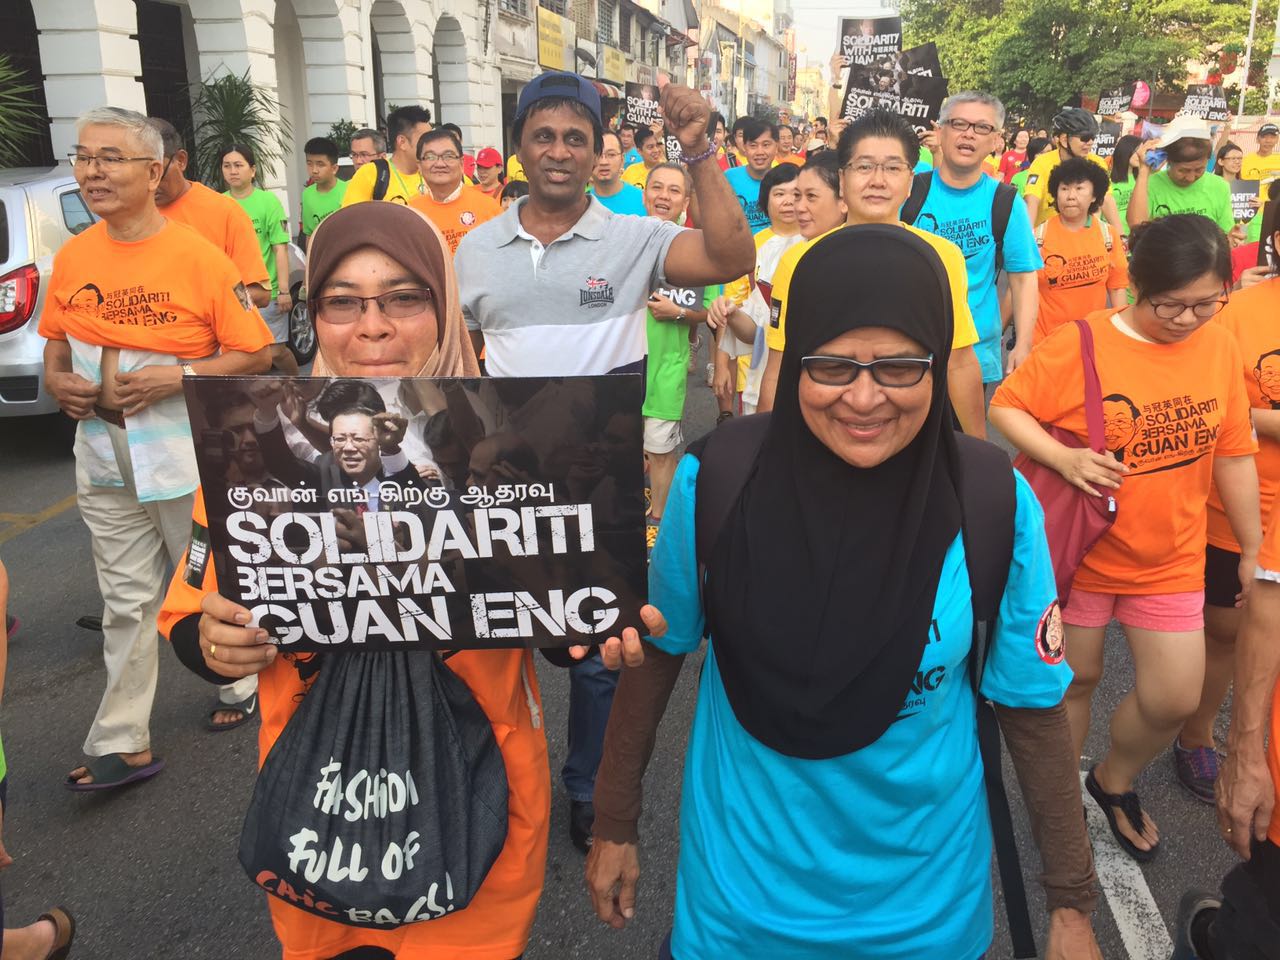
<point x="213" y="651"/>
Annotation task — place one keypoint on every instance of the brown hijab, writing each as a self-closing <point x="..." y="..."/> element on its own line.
<point x="409" y="238"/>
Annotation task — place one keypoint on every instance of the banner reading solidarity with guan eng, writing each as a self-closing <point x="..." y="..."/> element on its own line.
<point x="380" y="514"/>
<point x="1208" y="102"/>
<point x="917" y="98"/>
<point x="871" y="39"/>
<point x="1108" y="135"/>
<point x="1117" y="101"/>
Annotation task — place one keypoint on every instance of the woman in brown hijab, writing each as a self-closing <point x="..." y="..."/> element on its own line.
<point x="385" y="256"/>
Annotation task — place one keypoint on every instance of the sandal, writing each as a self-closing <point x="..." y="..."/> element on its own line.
<point x="1130" y="806"/>
<point x="246" y="708"/>
<point x="112" y="771"/>
<point x="64" y="932"/>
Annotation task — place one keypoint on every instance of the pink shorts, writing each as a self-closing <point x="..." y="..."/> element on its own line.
<point x="1164" y="612"/>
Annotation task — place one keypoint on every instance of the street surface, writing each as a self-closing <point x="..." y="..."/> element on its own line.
<point x="151" y="871"/>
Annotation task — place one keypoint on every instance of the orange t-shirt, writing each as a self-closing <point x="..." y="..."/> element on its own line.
<point x="455" y="219"/>
<point x="1168" y="409"/>
<point x="497" y="921"/>
<point x="134" y="295"/>
<point x="1250" y="316"/>
<point x="1269" y="560"/>
<point x="223" y="222"/>
<point x="1077" y="273"/>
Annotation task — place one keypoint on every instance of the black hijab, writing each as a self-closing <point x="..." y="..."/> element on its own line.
<point x="820" y="588"/>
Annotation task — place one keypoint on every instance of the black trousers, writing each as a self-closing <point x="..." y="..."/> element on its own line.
<point x="1247" y="927"/>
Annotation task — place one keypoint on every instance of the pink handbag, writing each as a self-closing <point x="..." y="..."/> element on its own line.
<point x="1073" y="520"/>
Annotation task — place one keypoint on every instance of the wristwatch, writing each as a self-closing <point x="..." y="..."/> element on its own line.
<point x="680" y="316"/>
<point x="188" y="370"/>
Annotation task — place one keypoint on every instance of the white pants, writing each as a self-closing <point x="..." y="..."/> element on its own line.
<point x="135" y="546"/>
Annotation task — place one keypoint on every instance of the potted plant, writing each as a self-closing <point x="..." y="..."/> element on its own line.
<point x="20" y="117"/>
<point x="234" y="109"/>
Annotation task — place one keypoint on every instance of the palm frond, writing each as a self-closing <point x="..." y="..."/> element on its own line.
<point x="20" y="117"/>
<point x="233" y="109"/>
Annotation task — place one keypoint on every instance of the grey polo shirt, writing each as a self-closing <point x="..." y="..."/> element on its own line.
<point x="573" y="307"/>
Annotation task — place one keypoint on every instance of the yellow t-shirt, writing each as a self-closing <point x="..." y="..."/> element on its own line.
<point x="965" y="333"/>
<point x="1038" y="182"/>
<point x="1254" y="167"/>
<point x="515" y="170"/>
<point x="401" y="188"/>
<point x="637" y="175"/>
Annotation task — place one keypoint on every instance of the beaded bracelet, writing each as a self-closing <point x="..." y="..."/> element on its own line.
<point x="699" y="157"/>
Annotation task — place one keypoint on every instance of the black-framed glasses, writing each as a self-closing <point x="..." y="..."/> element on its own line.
<point x="109" y="162"/>
<point x="1085" y="137"/>
<point x="891" y="168"/>
<point x="1173" y="309"/>
<point x="448" y="157"/>
<point x="982" y="129"/>
<point x="889" y="372"/>
<point x="396" y="304"/>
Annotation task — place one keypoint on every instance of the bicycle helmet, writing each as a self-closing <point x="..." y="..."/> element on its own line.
<point x="1075" y="121"/>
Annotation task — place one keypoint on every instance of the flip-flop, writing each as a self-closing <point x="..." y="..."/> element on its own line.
<point x="1131" y="806"/>
<point x="64" y="926"/>
<point x="112" y="771"/>
<point x="247" y="707"/>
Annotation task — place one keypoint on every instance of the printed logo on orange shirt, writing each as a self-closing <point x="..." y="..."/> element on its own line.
<point x="1161" y="435"/>
<point x="128" y="306"/>
<point x="1267" y="372"/>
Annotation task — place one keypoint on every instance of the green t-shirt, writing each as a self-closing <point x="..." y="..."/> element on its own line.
<point x="1019" y="180"/>
<point x="1122" y="192"/>
<point x="316" y="205"/>
<point x="667" y="367"/>
<point x="268" y="223"/>
<point x="1209" y="196"/>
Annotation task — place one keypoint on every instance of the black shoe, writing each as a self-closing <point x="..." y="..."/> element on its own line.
<point x="1191" y="928"/>
<point x="581" y="816"/>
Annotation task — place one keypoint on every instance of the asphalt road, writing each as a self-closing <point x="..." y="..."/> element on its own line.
<point x="151" y="871"/>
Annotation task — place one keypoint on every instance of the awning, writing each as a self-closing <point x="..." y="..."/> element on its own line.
<point x="607" y="89"/>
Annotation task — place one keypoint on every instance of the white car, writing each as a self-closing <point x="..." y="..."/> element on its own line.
<point x="40" y="209"/>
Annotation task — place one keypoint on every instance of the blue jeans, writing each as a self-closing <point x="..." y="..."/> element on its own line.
<point x="591" y="687"/>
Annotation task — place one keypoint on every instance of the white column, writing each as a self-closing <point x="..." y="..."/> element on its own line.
<point x="90" y="59"/>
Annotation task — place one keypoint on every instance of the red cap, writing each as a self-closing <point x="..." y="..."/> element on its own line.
<point x="488" y="157"/>
<point x="468" y="165"/>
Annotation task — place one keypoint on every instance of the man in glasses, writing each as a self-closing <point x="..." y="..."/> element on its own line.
<point x="213" y="215"/>
<point x="982" y="217"/>
<point x="367" y="145"/>
<point x="136" y="303"/>
<point x="453" y="205"/>
<point x="1181" y="187"/>
<point x="1074" y="132"/>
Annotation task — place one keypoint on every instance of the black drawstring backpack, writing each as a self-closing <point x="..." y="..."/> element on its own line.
<point x="384" y="800"/>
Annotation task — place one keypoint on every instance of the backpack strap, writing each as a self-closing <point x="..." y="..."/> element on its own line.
<point x="920" y="184"/>
<point x="726" y="457"/>
<point x="1106" y="233"/>
<point x="1040" y="233"/>
<point x="382" y="181"/>
<point x="988" y="502"/>
<point x="1001" y="211"/>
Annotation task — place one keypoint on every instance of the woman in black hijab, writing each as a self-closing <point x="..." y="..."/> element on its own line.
<point x="833" y="802"/>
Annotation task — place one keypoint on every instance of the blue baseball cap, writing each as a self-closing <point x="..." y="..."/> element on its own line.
<point x="559" y="84"/>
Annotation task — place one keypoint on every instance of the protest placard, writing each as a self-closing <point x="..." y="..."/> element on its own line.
<point x="921" y="61"/>
<point x="1206" y="101"/>
<point x="1114" y="102"/>
<point x="1108" y="134"/>
<point x="919" y="99"/>
<point x="1243" y="193"/>
<point x="671" y="143"/>
<point x="641" y="107"/>
<point x="503" y="513"/>
<point x="875" y="40"/>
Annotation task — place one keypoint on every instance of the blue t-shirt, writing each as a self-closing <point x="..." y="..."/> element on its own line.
<point x="747" y="188"/>
<point x="633" y="156"/>
<point x="882" y="854"/>
<point x="964" y="218"/>
<point x="628" y="200"/>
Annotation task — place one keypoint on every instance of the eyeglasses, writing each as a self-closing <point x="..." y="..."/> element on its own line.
<point x="960" y="126"/>
<point x="1172" y="309"/>
<point x="107" y="162"/>
<point x="397" y="305"/>
<point x="1085" y="137"/>
<point x="448" y="157"/>
<point x="889" y="372"/>
<point x="343" y="439"/>
<point x="610" y="155"/>
<point x="865" y="168"/>
<point x="364" y="155"/>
